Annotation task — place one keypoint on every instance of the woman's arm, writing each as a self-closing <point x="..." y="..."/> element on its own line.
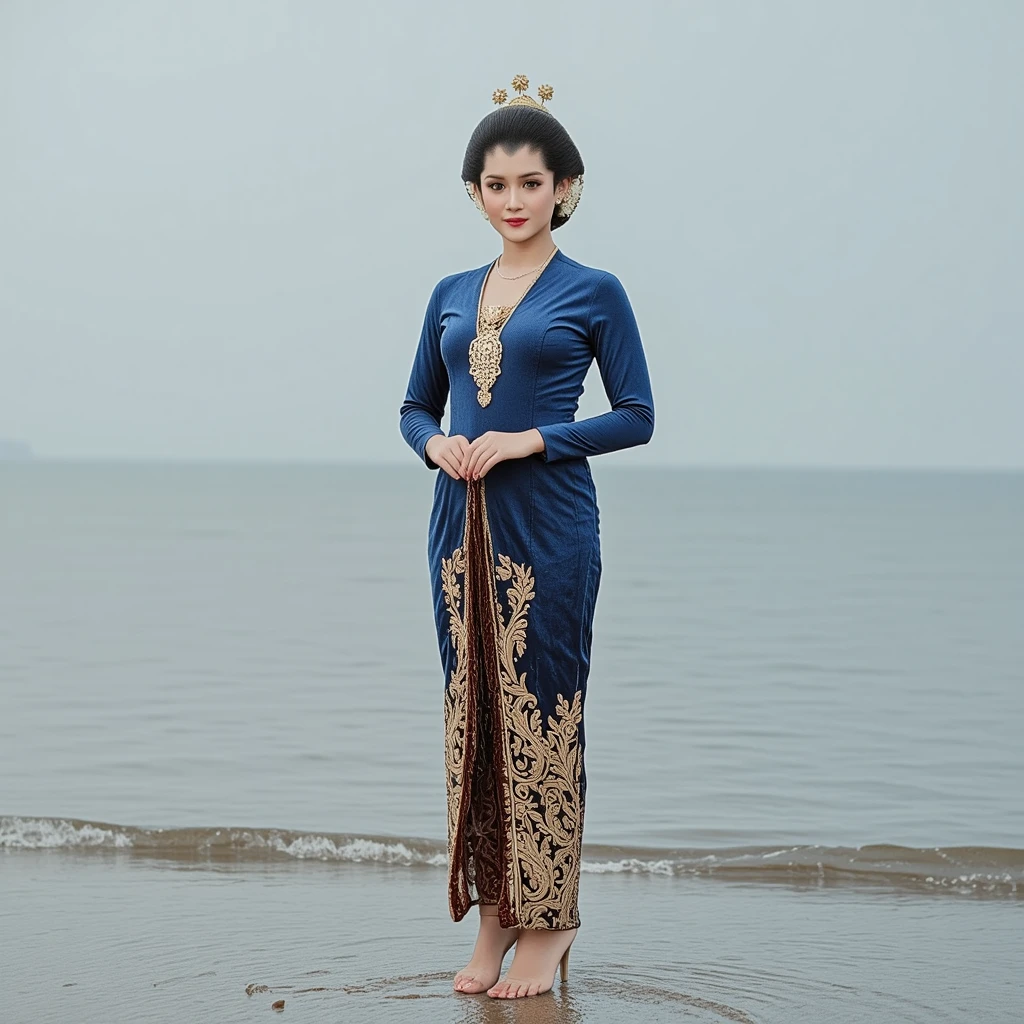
<point x="427" y="393"/>
<point x="620" y="358"/>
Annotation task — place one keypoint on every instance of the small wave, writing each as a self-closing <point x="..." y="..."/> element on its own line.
<point x="23" y="833"/>
<point x="978" y="870"/>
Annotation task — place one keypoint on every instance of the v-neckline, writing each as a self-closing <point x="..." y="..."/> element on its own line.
<point x="480" y="298"/>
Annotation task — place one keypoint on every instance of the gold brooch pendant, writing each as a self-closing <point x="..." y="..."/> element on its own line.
<point x="485" y="349"/>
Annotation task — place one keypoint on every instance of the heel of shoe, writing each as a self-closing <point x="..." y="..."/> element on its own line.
<point x="563" y="966"/>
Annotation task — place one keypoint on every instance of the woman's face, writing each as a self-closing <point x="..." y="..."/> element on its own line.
<point x="518" y="193"/>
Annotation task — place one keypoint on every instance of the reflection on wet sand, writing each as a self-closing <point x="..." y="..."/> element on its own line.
<point x="562" y="1005"/>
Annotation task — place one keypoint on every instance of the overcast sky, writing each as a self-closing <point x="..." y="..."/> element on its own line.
<point x="220" y="220"/>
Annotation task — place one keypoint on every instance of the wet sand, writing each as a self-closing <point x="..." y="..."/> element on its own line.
<point x="100" y="938"/>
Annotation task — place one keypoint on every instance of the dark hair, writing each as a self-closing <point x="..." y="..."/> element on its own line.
<point x="512" y="127"/>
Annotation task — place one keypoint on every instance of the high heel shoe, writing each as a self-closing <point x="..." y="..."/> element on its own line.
<point x="528" y="985"/>
<point x="563" y="964"/>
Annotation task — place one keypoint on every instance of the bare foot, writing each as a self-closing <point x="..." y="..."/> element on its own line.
<point x="533" y="967"/>
<point x="492" y="943"/>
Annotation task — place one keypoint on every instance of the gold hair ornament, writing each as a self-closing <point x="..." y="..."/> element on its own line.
<point x="523" y="99"/>
<point x="571" y="199"/>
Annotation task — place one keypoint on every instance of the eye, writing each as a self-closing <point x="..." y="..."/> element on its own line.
<point x="494" y="186"/>
<point x="536" y="184"/>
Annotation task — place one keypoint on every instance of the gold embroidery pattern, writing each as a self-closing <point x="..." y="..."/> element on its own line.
<point x="485" y="350"/>
<point x="544" y="775"/>
<point x="455" y="704"/>
<point x="543" y="814"/>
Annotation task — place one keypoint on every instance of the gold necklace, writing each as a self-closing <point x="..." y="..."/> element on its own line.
<point x="485" y="349"/>
<point x="516" y="277"/>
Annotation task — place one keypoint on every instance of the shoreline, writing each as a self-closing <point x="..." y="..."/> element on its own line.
<point x="978" y="871"/>
<point x="172" y="940"/>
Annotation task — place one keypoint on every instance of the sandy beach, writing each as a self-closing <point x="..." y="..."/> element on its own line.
<point x="113" y="937"/>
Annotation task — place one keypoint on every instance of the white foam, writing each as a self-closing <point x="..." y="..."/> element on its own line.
<point x="53" y="833"/>
<point x="60" y="833"/>
<point x="354" y="851"/>
<point x="629" y="865"/>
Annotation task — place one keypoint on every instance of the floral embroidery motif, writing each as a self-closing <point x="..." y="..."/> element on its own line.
<point x="544" y="775"/>
<point x="485" y="350"/>
<point x="542" y="819"/>
<point x="455" y="697"/>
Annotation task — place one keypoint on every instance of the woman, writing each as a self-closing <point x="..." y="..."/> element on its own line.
<point x="513" y="543"/>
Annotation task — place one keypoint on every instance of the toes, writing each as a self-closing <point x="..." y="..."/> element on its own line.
<point x="515" y="989"/>
<point x="468" y="984"/>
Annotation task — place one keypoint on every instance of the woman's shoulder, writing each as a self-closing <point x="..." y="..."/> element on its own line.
<point x="452" y="284"/>
<point x="591" y="279"/>
<point x="577" y="268"/>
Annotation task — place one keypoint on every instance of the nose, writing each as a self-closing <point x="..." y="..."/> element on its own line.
<point x="514" y="200"/>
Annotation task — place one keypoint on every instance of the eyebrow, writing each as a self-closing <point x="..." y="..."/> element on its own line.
<point x="529" y="174"/>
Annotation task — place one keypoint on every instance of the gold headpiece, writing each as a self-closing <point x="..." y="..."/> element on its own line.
<point x="569" y="201"/>
<point x="520" y="84"/>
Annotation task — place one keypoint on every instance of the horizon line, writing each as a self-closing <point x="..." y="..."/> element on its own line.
<point x="186" y="460"/>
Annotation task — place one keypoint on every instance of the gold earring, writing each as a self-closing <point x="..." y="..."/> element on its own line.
<point x="571" y="198"/>
<point x="477" y="201"/>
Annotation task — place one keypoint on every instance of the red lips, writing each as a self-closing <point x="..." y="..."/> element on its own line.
<point x="515" y="222"/>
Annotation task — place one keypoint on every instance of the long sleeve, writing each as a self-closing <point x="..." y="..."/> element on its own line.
<point x="620" y="358"/>
<point x="427" y="393"/>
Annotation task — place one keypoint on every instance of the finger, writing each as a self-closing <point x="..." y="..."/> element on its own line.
<point x="459" y="445"/>
<point x="485" y="458"/>
<point x="477" y="459"/>
<point x="472" y="452"/>
<point x="495" y="458"/>
<point x="449" y="465"/>
<point x="459" y="462"/>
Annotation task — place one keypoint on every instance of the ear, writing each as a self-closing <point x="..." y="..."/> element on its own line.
<point x="562" y="189"/>
<point x="474" y="193"/>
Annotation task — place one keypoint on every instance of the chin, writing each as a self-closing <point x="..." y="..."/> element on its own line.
<point x="522" y="234"/>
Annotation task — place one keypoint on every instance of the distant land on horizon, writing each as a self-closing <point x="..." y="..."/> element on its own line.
<point x="12" y="450"/>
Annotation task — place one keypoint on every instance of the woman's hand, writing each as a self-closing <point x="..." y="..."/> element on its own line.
<point x="495" y="446"/>
<point x="448" y="453"/>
